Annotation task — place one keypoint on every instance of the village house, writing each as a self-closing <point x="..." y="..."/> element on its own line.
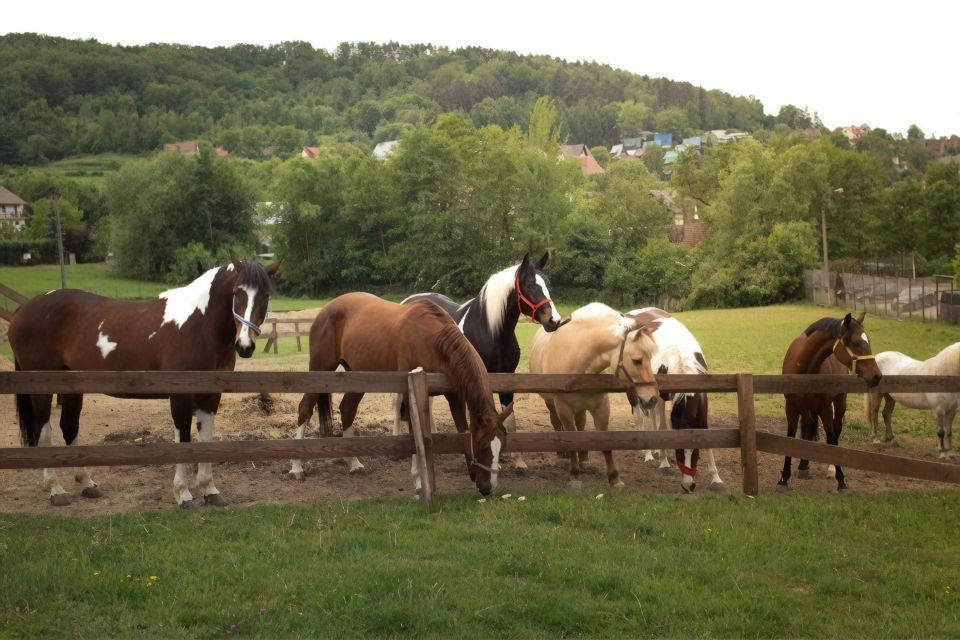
<point x="12" y="209"/>
<point x="588" y="164"/>
<point x="384" y="150"/>
<point x="310" y="153"/>
<point x="687" y="228"/>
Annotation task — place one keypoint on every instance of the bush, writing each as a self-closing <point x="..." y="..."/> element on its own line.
<point x="41" y="251"/>
<point x="189" y="262"/>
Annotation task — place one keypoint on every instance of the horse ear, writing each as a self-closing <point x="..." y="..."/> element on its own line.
<point x="525" y="262"/>
<point x="863" y="314"/>
<point x="845" y="323"/>
<point x="272" y="269"/>
<point x="236" y="263"/>
<point x="650" y="327"/>
<point x="543" y="261"/>
<point x="505" y="414"/>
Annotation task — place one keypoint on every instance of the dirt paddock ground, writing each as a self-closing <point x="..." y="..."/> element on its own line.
<point x="107" y="420"/>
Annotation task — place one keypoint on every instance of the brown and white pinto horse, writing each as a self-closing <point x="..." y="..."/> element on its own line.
<point x="595" y="339"/>
<point x="678" y="352"/>
<point x="199" y="327"/>
<point x="365" y="333"/>
<point x="846" y="340"/>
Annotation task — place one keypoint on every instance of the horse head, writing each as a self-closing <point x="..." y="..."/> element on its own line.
<point x="633" y="367"/>
<point x="852" y="349"/>
<point x="253" y="284"/>
<point x="486" y="443"/>
<point x="533" y="294"/>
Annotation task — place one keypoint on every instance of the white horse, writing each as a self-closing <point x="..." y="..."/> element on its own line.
<point x="943" y="405"/>
<point x="678" y="352"/>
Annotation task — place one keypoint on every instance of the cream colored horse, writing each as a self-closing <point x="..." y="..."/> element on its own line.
<point x="596" y="339"/>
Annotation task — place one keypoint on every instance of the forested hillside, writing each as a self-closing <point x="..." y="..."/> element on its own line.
<point x="64" y="97"/>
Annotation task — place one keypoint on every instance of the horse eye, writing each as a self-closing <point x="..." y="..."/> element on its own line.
<point x="638" y="361"/>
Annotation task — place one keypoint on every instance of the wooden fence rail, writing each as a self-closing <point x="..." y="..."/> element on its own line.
<point x="418" y="385"/>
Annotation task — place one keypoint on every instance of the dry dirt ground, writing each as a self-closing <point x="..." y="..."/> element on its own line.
<point x="107" y="420"/>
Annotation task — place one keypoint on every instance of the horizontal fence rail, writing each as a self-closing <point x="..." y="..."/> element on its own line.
<point x="424" y="443"/>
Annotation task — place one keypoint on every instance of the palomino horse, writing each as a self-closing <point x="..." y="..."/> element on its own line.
<point x="595" y="339"/>
<point x="200" y="327"/>
<point x="489" y="322"/>
<point x="365" y="333"/>
<point x="943" y="405"/>
<point x="846" y="340"/>
<point x="679" y="352"/>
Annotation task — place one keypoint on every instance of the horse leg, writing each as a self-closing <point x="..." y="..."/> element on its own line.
<point x="660" y="422"/>
<point x="41" y="412"/>
<point x="643" y="423"/>
<point x="70" y="427"/>
<point x="568" y="420"/>
<point x="348" y="411"/>
<point x="206" y="412"/>
<point x="793" y="419"/>
<point x="716" y="484"/>
<point x="873" y="410"/>
<point x="601" y="420"/>
<point x="888" y="407"/>
<point x="948" y="417"/>
<point x="833" y="416"/>
<point x="580" y="420"/>
<point x="808" y="431"/>
<point x="304" y="418"/>
<point x="181" y="408"/>
<point x="555" y="422"/>
<point x="510" y="424"/>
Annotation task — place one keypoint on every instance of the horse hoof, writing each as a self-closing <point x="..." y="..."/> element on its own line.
<point x="214" y="500"/>
<point x="782" y="487"/>
<point x="718" y="487"/>
<point x="618" y="484"/>
<point x="357" y="469"/>
<point x="652" y="462"/>
<point x="60" y="499"/>
<point x="91" y="492"/>
<point x="803" y="474"/>
<point x="294" y="475"/>
<point x="690" y="489"/>
<point x="666" y="471"/>
<point x="188" y="505"/>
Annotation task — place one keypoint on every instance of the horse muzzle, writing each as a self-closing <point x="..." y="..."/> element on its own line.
<point x="247" y="351"/>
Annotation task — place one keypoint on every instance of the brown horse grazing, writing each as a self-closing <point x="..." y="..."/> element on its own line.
<point x="365" y="333"/>
<point x="846" y="340"/>
<point x="199" y="327"/>
<point x="595" y="339"/>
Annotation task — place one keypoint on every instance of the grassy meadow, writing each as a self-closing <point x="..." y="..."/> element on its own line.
<point x="553" y="565"/>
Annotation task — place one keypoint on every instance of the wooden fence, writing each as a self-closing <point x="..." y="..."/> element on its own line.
<point x="273" y="337"/>
<point x="417" y="385"/>
<point x="17" y="297"/>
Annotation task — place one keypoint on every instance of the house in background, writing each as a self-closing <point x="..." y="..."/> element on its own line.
<point x="588" y="164"/>
<point x="310" y="153"/>
<point x="854" y="133"/>
<point x="942" y="146"/>
<point x="687" y="228"/>
<point x="12" y="211"/>
<point x="384" y="150"/>
<point x="191" y="147"/>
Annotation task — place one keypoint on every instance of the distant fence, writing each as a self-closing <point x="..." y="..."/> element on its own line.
<point x="932" y="299"/>
<point x="417" y="385"/>
<point x="301" y="328"/>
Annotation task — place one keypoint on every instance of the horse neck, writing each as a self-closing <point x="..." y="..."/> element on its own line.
<point x="815" y="349"/>
<point x="220" y="323"/>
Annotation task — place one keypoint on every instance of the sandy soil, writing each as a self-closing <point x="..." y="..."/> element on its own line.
<point x="126" y="489"/>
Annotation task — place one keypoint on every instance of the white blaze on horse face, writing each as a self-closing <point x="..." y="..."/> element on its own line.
<point x="244" y="338"/>
<point x="554" y="314"/>
<point x="495" y="446"/>
<point x="182" y="302"/>
<point x="864" y="336"/>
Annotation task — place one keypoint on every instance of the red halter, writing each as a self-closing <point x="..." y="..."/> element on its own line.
<point x="685" y="470"/>
<point x="522" y="298"/>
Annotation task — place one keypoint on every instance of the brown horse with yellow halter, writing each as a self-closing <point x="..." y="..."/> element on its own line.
<point x="846" y="340"/>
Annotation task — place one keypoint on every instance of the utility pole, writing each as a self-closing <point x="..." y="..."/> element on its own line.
<point x="827" y="289"/>
<point x="56" y="215"/>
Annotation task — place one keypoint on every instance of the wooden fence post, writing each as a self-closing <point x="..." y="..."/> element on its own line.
<point x="296" y="329"/>
<point x="748" y="434"/>
<point x="418" y="405"/>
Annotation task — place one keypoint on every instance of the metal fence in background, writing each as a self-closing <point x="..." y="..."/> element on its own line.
<point x="931" y="299"/>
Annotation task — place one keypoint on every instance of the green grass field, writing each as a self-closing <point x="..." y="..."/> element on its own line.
<point x="89" y="168"/>
<point x="554" y="565"/>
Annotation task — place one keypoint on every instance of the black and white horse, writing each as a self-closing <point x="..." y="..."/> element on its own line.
<point x="489" y="322"/>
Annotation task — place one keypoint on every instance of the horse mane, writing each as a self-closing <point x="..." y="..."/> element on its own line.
<point x="465" y="369"/>
<point x="829" y="326"/>
<point x="495" y="295"/>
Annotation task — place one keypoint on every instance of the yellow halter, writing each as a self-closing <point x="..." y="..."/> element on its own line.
<point x="853" y="357"/>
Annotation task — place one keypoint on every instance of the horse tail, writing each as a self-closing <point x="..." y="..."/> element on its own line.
<point x="325" y="414"/>
<point x="26" y="416"/>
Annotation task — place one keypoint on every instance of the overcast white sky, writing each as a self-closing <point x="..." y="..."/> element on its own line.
<point x="885" y="64"/>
